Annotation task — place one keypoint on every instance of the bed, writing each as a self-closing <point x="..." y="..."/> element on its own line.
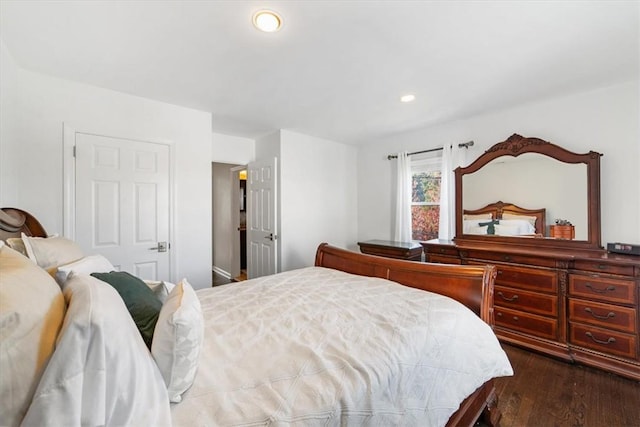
<point x="509" y="220"/>
<point x="354" y="340"/>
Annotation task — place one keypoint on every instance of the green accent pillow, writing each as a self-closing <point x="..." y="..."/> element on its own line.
<point x="491" y="229"/>
<point x="140" y="300"/>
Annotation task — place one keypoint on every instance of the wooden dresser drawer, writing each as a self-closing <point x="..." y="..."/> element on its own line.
<point x="440" y="249"/>
<point x="532" y="324"/>
<point x="603" y="288"/>
<point x="605" y="315"/>
<point x="443" y="259"/>
<point x="527" y="278"/>
<point x="509" y="258"/>
<point x="604" y="340"/>
<point x="603" y="267"/>
<point x="531" y="302"/>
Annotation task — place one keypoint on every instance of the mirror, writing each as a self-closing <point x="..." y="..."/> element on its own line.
<point x="548" y="182"/>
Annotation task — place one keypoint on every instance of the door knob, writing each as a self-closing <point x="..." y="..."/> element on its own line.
<point x="162" y="247"/>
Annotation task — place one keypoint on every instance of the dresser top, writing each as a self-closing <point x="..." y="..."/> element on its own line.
<point x="391" y="244"/>
<point x="565" y="254"/>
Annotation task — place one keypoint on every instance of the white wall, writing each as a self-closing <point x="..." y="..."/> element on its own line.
<point x="9" y="129"/>
<point x="31" y="175"/>
<point x="232" y="149"/>
<point x="316" y="194"/>
<point x="605" y="120"/>
<point x="318" y="198"/>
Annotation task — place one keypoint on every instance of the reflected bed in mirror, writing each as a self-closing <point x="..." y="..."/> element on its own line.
<point x="505" y="219"/>
<point x="530" y="173"/>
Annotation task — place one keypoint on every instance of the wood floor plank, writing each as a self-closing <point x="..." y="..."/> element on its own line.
<point x="549" y="392"/>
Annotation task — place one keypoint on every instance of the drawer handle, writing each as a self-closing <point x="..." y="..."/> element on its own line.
<point x="611" y="340"/>
<point x="507" y="258"/>
<point x="601" y="291"/>
<point x="598" y="316"/>
<point x="515" y="318"/>
<point x="441" y="250"/>
<point x="513" y="298"/>
<point x="602" y="266"/>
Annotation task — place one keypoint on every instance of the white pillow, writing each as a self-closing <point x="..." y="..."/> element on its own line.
<point x="101" y="372"/>
<point x="87" y="265"/>
<point x="476" y="230"/>
<point x="17" y="245"/>
<point x="50" y="252"/>
<point x="31" y="314"/>
<point x="160" y="289"/>
<point x="530" y="219"/>
<point x="520" y="226"/>
<point x="177" y="339"/>
<point x="507" y="230"/>
<point x="472" y="226"/>
<point x="467" y="224"/>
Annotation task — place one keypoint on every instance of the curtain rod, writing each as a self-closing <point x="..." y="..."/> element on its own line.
<point x="463" y="144"/>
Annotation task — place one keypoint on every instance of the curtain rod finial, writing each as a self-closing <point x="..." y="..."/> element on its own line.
<point x="466" y="144"/>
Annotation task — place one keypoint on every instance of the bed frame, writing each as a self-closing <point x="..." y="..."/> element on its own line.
<point x="497" y="209"/>
<point x="471" y="285"/>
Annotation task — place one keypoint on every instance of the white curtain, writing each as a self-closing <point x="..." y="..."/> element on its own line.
<point x="402" y="231"/>
<point x="452" y="157"/>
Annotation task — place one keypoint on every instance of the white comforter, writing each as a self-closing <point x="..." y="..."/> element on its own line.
<point x="321" y="347"/>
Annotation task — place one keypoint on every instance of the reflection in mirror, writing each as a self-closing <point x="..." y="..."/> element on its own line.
<point x="533" y="181"/>
<point x="554" y="189"/>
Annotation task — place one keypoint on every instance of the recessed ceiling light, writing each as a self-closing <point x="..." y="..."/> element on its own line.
<point x="267" y="21"/>
<point x="407" y="98"/>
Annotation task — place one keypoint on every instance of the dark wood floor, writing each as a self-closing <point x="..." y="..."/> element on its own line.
<point x="218" y="279"/>
<point x="548" y="392"/>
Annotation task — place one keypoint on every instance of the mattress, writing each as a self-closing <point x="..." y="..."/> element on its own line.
<point x="322" y="347"/>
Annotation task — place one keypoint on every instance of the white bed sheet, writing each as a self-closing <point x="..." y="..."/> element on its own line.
<point x="318" y="347"/>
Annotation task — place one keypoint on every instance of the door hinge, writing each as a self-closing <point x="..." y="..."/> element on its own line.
<point x="74" y="151"/>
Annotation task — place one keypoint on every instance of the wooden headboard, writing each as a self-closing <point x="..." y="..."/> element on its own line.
<point x="14" y="221"/>
<point x="497" y="209"/>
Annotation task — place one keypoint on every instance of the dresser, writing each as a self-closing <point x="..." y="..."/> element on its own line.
<point x="576" y="306"/>
<point x="557" y="291"/>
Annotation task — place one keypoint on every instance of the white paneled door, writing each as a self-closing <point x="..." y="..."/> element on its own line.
<point x="122" y="203"/>
<point x="262" y="239"/>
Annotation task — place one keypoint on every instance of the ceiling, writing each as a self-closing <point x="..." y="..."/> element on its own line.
<point x="337" y="69"/>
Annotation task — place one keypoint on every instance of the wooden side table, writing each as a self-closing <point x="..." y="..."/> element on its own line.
<point x="562" y="231"/>
<point x="411" y="251"/>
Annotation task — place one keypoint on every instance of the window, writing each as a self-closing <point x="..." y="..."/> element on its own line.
<point x="425" y="199"/>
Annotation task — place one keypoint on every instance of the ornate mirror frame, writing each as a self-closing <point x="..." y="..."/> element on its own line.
<point x="514" y="146"/>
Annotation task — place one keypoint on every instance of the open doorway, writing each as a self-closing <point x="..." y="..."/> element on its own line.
<point x="242" y="228"/>
<point x="228" y="222"/>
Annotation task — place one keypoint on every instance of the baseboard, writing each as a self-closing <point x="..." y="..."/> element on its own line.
<point x="221" y="272"/>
